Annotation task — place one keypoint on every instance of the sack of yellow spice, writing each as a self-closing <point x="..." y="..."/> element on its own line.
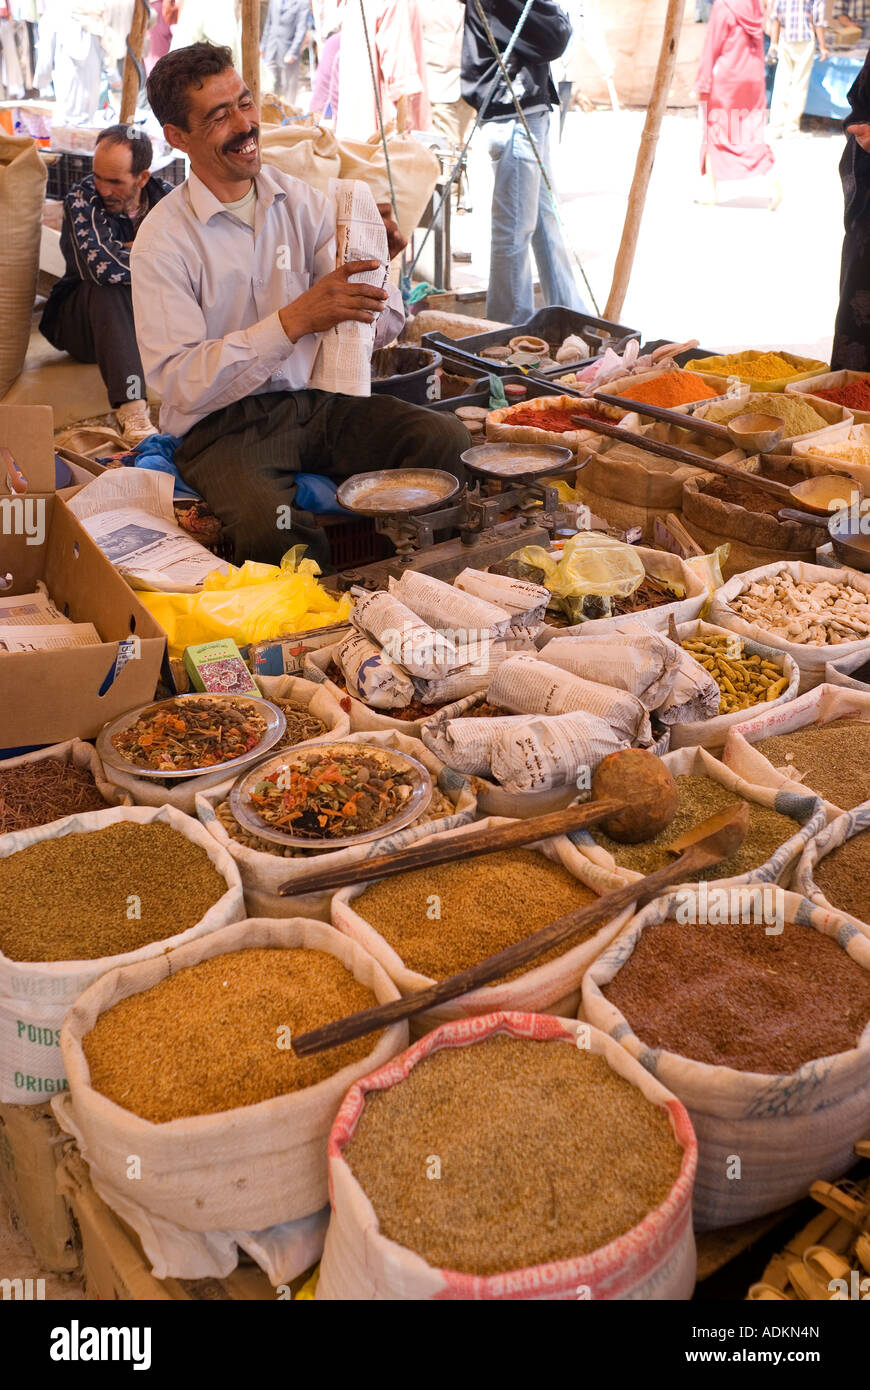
<point x="250" y="604"/>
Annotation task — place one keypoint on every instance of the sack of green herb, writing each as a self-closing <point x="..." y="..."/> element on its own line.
<point x="514" y="1156"/>
<point x="780" y="824"/>
<point x="265" y="866"/>
<point x="820" y="742"/>
<point x="83" y="895"/>
<point x="430" y="923"/>
<point x="834" y="869"/>
<point x="755" y="1011"/>
<point x="313" y="715"/>
<point x="184" y="1061"/>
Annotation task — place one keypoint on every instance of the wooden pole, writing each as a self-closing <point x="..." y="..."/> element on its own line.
<point x="251" y="47"/>
<point x="645" y="159"/>
<point x="130" y="81"/>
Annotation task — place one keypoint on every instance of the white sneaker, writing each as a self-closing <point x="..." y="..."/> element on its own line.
<point x="135" y="422"/>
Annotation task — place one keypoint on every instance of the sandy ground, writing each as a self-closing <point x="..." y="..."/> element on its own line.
<point x="733" y="276"/>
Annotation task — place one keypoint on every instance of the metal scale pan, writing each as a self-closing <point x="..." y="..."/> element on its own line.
<point x="516" y="463"/>
<point x="397" y="491"/>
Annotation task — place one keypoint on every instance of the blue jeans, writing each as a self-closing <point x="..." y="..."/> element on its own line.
<point x="522" y="217"/>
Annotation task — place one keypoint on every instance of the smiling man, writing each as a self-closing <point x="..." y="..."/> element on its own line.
<point x="232" y="281"/>
<point x="89" y="313"/>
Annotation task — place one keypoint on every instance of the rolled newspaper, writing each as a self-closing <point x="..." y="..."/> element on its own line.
<point x="526" y="685"/>
<point x="467" y="745"/>
<point x="646" y="665"/>
<point x="548" y="751"/>
<point x="446" y="607"/>
<point x="370" y="675"/>
<point x="404" y="638"/>
<point x="526" y="602"/>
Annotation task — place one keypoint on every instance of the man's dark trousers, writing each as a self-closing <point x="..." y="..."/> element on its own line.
<point x="94" y="323"/>
<point x="243" y="459"/>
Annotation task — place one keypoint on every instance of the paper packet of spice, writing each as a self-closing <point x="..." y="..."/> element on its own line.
<point x="370" y="675"/>
<point x="217" y="667"/>
<point x="526" y="602"/>
<point x="645" y="664"/>
<point x="403" y="636"/>
<point x="527" y="685"/>
<point x="475" y="677"/>
<point x="467" y="745"/>
<point x="444" y="606"/>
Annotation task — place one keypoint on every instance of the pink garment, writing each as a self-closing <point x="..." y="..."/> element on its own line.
<point x="159" y="37"/>
<point x="730" y="84"/>
<point x="324" y="93"/>
<point x="396" y="38"/>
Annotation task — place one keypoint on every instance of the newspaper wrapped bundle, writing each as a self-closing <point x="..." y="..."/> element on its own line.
<point x="370" y="675"/>
<point x="644" y="663"/>
<point x="523" y="753"/>
<point x="445" y="607"/>
<point x="526" y="602"/>
<point x="526" y="685"/>
<point x="344" y="353"/>
<point x="477" y="675"/>
<point x="405" y="638"/>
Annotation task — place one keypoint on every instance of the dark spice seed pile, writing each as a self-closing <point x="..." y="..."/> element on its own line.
<point x="545" y="1154"/>
<point x="844" y="876"/>
<point x="300" y="725"/>
<point x="486" y="904"/>
<point x="834" y="758"/>
<point x="732" y="996"/>
<point x="68" y="899"/>
<point x="700" y="797"/>
<point x="40" y="792"/>
<point x="206" y="1039"/>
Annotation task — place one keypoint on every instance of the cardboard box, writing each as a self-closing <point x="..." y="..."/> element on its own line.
<point x="47" y="697"/>
<point x="115" y="1267"/>
<point x="31" y="1147"/>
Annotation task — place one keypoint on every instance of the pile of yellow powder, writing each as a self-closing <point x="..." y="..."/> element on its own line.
<point x="799" y="417"/>
<point x="848" y="453"/>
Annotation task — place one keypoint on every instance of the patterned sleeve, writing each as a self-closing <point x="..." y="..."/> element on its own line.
<point x="819" y="13"/>
<point x="98" y="255"/>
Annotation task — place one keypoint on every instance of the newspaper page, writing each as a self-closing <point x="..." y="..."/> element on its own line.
<point x="48" y="637"/>
<point x="370" y="675"/>
<point x="525" y="685"/>
<point x="26" y="610"/>
<point x="473" y="678"/>
<point x="444" y="607"/>
<point x="526" y="602"/>
<point x="646" y="665"/>
<point x="343" y="361"/>
<point x="468" y="745"/>
<point x="128" y="512"/>
<point x="404" y="638"/>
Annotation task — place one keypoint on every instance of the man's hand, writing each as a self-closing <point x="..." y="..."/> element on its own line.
<point x="861" y="134"/>
<point x="395" y="241"/>
<point x="333" y="300"/>
<point x="823" y="53"/>
<point x="291" y="58"/>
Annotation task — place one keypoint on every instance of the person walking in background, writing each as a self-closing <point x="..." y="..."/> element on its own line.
<point x="443" y="22"/>
<point x="795" y="26"/>
<point x="160" y="34"/>
<point x="522" y="215"/>
<point x="851" y="347"/>
<point x="282" y="43"/>
<point x="731" y="93"/>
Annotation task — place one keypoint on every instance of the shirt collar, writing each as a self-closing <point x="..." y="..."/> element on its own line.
<point x="205" y="204"/>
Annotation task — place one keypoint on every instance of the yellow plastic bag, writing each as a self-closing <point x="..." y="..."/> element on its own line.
<point x="249" y="604"/>
<point x="590" y="563"/>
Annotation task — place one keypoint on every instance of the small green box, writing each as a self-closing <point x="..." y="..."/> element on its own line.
<point x="218" y="669"/>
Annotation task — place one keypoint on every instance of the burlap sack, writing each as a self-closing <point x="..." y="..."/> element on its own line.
<point x="22" y="193"/>
<point x="305" y="150"/>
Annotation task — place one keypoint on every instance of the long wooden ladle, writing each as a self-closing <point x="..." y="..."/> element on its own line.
<point x="713" y="840"/>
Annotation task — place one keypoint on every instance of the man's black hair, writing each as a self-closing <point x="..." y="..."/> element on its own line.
<point x="175" y="73"/>
<point x="136" y="141"/>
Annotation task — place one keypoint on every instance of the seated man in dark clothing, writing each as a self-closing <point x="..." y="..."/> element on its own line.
<point x="89" y="313"/>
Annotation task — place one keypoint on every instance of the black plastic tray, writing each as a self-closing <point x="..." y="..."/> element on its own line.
<point x="682" y="359"/>
<point x="536" y="387"/>
<point x="555" y="322"/>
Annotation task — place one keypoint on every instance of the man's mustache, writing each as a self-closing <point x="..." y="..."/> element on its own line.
<point x="239" y="140"/>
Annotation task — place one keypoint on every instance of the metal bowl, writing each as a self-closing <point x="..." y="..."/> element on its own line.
<point x="275" y="726"/>
<point x="392" y="490"/>
<point x="516" y="462"/>
<point x="392" y="760"/>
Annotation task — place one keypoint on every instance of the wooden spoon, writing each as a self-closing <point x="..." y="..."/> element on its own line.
<point x="634" y="796"/>
<point x="709" y="848"/>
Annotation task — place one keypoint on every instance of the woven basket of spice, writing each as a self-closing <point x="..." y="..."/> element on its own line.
<point x="431" y="923"/>
<point x="834" y="869"/>
<point x="63" y="780"/>
<point x="781" y="824"/>
<point x="82" y="896"/>
<point x="185" y="1060"/>
<point x="752" y="1006"/>
<point x="265" y="866"/>
<point x="567" y="1172"/>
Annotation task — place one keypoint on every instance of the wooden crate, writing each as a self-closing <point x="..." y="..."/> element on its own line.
<point x="114" y="1266"/>
<point x="31" y="1146"/>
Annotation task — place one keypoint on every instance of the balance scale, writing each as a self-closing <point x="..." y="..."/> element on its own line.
<point x="411" y="505"/>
